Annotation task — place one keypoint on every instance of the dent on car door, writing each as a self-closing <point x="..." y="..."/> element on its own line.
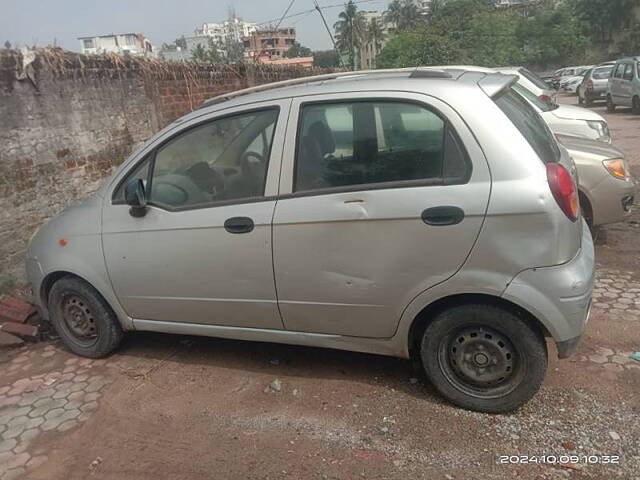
<point x="202" y="253"/>
<point x="379" y="201"/>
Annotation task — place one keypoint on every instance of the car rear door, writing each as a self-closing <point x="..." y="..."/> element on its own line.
<point x="380" y="199"/>
<point x="616" y="83"/>
<point x="202" y="253"/>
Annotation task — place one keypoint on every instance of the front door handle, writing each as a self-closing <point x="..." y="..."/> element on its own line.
<point x="442" y="216"/>
<point x="238" y="225"/>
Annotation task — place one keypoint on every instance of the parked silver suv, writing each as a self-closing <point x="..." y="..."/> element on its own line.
<point x="623" y="88"/>
<point x="392" y="212"/>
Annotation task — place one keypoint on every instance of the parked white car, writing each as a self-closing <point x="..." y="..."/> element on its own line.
<point x="569" y="120"/>
<point x="561" y="119"/>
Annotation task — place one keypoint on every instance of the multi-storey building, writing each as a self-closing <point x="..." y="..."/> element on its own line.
<point x="271" y="42"/>
<point x="122" y="43"/>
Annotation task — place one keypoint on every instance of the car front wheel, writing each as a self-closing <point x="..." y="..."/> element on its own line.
<point x="83" y="319"/>
<point x="484" y="358"/>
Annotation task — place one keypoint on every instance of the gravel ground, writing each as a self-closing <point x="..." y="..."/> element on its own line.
<point x="183" y="407"/>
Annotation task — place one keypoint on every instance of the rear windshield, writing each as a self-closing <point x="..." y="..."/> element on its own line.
<point x="534" y="99"/>
<point x="602" y="73"/>
<point x="533" y="78"/>
<point x="530" y="124"/>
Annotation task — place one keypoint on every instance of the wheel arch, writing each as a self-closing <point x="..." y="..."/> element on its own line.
<point x="428" y="313"/>
<point x="52" y="277"/>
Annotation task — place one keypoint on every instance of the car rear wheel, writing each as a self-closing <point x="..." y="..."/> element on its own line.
<point x="83" y="319"/>
<point x="484" y="358"/>
<point x="611" y="107"/>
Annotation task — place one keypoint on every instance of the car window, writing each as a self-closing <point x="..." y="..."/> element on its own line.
<point x="140" y="172"/>
<point x="628" y="72"/>
<point x="533" y="78"/>
<point x="221" y="160"/>
<point x="533" y="98"/>
<point x="363" y="143"/>
<point x="619" y="70"/>
<point x="530" y="124"/>
<point x="602" y="73"/>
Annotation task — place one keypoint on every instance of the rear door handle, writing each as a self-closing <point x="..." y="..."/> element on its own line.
<point x="238" y="225"/>
<point x="442" y="216"/>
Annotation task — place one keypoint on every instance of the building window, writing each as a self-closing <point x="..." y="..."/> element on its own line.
<point x="88" y="43"/>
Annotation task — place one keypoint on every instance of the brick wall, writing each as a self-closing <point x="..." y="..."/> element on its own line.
<point x="72" y="119"/>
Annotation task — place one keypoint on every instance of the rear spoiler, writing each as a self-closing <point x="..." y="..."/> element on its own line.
<point x="493" y="84"/>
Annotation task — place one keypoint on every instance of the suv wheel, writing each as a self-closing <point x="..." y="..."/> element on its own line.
<point x="484" y="358"/>
<point x="83" y="319"/>
<point x="611" y="107"/>
<point x="635" y="105"/>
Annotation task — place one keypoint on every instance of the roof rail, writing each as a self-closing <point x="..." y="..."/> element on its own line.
<point x="432" y="73"/>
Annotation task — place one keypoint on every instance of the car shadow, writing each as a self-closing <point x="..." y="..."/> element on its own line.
<point x="281" y="360"/>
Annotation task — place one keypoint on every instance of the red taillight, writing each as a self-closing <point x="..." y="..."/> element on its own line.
<point x="545" y="98"/>
<point x="590" y="85"/>
<point x="564" y="190"/>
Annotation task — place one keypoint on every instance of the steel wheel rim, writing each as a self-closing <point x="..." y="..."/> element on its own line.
<point x="481" y="361"/>
<point x="78" y="320"/>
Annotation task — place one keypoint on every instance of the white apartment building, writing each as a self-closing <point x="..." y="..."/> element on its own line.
<point x="233" y="29"/>
<point x="122" y="43"/>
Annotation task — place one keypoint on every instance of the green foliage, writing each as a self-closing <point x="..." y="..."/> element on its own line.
<point x="326" y="59"/>
<point x="403" y="14"/>
<point x="603" y="17"/>
<point x="476" y="32"/>
<point x="209" y="54"/>
<point x="628" y="41"/>
<point x="297" y="50"/>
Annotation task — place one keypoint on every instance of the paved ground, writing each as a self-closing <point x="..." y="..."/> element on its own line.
<point x="184" y="407"/>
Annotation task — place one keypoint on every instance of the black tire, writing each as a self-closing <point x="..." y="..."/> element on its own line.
<point x="611" y="107"/>
<point x="76" y="306"/>
<point x="514" y="353"/>
<point x="635" y="105"/>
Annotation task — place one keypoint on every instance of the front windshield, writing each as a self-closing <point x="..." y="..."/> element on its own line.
<point x="534" y="99"/>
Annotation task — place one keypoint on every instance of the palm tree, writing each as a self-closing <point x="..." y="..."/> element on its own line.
<point x="350" y="31"/>
<point x="375" y="36"/>
<point x="403" y="14"/>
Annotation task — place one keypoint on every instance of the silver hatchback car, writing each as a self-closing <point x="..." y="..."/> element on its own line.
<point x="409" y="212"/>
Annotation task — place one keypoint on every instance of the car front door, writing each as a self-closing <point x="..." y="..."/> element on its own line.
<point x="379" y="201"/>
<point x="626" y="84"/>
<point x="616" y="83"/>
<point x="202" y="252"/>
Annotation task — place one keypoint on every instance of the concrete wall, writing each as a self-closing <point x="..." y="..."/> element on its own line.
<point x="74" y="118"/>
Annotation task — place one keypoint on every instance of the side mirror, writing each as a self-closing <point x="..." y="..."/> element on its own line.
<point x="136" y="198"/>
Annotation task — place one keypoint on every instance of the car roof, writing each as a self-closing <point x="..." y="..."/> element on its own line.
<point x="419" y="80"/>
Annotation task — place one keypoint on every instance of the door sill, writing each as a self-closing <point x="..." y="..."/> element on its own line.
<point x="381" y="346"/>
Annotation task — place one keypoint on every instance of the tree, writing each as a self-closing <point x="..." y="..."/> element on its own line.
<point x="603" y="16"/>
<point x="403" y="14"/>
<point x="234" y="51"/>
<point x="298" y="50"/>
<point x="7" y="44"/>
<point x="422" y="48"/>
<point x="350" y="31"/>
<point x="326" y="59"/>
<point x="208" y="54"/>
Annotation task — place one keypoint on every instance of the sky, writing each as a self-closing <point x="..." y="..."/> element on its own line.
<point x="42" y="22"/>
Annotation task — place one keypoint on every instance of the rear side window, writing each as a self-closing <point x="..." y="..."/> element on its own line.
<point x="530" y="124"/>
<point x="628" y="72"/>
<point x="602" y="73"/>
<point x="619" y="70"/>
<point x="368" y="143"/>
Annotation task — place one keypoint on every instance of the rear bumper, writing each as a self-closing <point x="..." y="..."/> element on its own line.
<point x="611" y="200"/>
<point x="560" y="296"/>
